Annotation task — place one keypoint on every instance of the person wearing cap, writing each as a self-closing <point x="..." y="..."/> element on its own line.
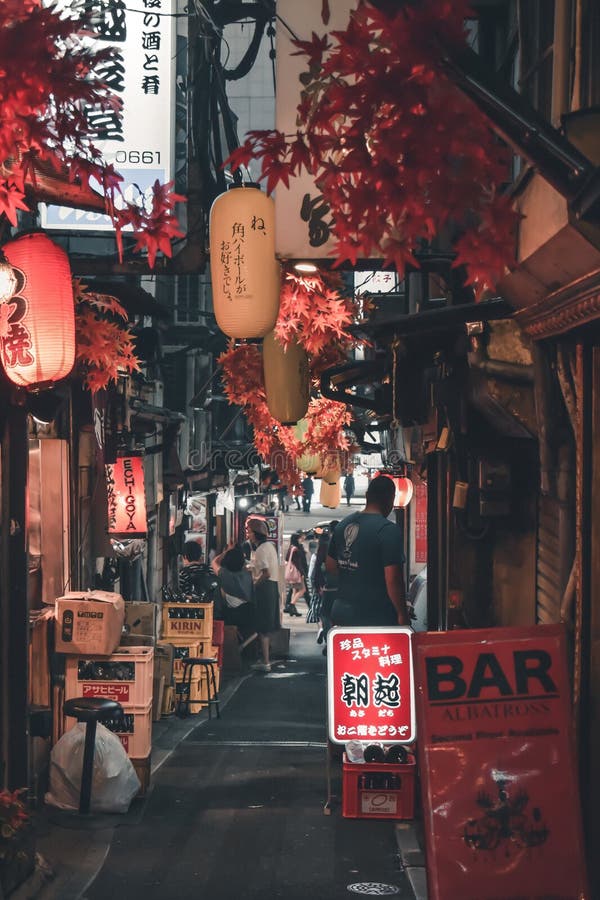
<point x="265" y="565"/>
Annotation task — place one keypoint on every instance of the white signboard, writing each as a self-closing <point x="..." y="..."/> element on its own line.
<point x="302" y="219"/>
<point x="140" y="146"/>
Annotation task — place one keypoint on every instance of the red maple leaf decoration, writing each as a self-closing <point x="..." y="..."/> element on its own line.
<point x="398" y="152"/>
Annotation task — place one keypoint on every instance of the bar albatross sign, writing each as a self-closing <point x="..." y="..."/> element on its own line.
<point x="500" y="799"/>
<point x="126" y="497"/>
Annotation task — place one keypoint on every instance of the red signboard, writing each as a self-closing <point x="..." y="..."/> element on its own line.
<point x="370" y="685"/>
<point x="126" y="497"/>
<point x="500" y="799"/>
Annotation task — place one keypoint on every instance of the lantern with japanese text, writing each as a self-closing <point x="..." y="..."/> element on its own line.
<point x="126" y="497"/>
<point x="287" y="379"/>
<point x="37" y="324"/>
<point x="330" y="494"/>
<point x="244" y="271"/>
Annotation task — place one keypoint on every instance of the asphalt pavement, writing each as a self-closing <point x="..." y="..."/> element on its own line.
<point x="236" y="807"/>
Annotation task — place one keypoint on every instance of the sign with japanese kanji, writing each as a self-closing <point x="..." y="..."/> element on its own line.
<point x="500" y="789"/>
<point x="139" y="141"/>
<point x="370" y="685"/>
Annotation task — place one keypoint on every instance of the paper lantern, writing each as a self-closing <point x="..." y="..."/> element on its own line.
<point x="404" y="489"/>
<point x="330" y="470"/>
<point x="308" y="462"/>
<point x="37" y="324"/>
<point x="126" y="497"/>
<point x="244" y="272"/>
<point x="287" y="379"/>
<point x="329" y="494"/>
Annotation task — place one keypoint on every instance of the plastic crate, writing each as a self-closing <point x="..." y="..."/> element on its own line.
<point x="125" y="676"/>
<point x="134" y="730"/>
<point x="187" y="620"/>
<point x="184" y="649"/>
<point x="378" y="790"/>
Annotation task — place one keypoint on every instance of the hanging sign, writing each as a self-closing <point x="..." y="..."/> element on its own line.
<point x="138" y="140"/>
<point x="302" y="216"/>
<point x="126" y="497"/>
<point x="370" y="685"/>
<point x="500" y="796"/>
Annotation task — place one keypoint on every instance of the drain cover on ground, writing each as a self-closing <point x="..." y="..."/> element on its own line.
<point x="374" y="889"/>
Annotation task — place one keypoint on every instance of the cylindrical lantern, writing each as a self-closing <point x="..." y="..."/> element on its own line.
<point x="330" y="470"/>
<point x="37" y="333"/>
<point x="308" y="462"/>
<point x="329" y="494"/>
<point x="244" y="272"/>
<point x="404" y="489"/>
<point x="126" y="497"/>
<point x="287" y="379"/>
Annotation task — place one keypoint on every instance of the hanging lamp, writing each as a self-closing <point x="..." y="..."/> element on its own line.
<point x="37" y="324"/>
<point x="245" y="273"/>
<point x="287" y="379"/>
<point x="126" y="497"/>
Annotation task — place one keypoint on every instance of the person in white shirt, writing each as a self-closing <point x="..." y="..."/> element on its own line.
<point x="265" y="572"/>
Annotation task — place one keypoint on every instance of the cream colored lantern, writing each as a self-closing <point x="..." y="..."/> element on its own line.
<point x="287" y="379"/>
<point x="329" y="494"/>
<point x="308" y="462"/>
<point x="244" y="272"/>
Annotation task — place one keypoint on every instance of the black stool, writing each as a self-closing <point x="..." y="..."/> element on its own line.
<point x="90" y="710"/>
<point x="208" y="663"/>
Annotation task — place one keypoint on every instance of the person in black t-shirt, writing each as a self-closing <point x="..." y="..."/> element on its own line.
<point x="192" y="577"/>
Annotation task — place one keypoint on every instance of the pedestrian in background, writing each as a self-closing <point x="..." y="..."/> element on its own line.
<point x="366" y="555"/>
<point x="308" y="489"/>
<point x="192" y="576"/>
<point x="265" y="571"/>
<point x="349" y="487"/>
<point x="296" y="571"/>
<point x="237" y="591"/>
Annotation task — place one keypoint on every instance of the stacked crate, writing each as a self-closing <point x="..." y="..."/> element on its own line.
<point x="125" y="676"/>
<point x="189" y="627"/>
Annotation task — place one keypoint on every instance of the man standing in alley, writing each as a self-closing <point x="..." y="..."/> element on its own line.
<point x="265" y="572"/>
<point x="308" y="489"/>
<point x="366" y="556"/>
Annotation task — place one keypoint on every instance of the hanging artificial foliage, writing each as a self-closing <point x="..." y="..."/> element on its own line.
<point x="50" y="75"/>
<point x="398" y="152"/>
<point x="314" y="313"/>
<point x="104" y="344"/>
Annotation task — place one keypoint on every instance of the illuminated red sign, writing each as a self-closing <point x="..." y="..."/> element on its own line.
<point x="500" y="798"/>
<point x="126" y="497"/>
<point x="370" y="685"/>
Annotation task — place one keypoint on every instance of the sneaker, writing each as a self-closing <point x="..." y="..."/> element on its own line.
<point x="261" y="667"/>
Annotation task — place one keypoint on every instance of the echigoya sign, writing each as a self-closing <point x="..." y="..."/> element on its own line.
<point x="140" y="145"/>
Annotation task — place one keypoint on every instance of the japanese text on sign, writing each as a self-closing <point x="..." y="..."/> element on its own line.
<point x="234" y="259"/>
<point x="370" y="685"/>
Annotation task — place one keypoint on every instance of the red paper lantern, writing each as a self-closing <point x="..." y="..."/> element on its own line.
<point x="126" y="497"/>
<point x="404" y="489"/>
<point x="244" y="271"/>
<point x="37" y="324"/>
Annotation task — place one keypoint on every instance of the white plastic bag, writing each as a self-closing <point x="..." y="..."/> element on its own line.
<point x="114" y="781"/>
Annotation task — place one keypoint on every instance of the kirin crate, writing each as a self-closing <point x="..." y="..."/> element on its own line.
<point x="378" y="790"/>
<point x="187" y="620"/>
<point x="125" y="676"/>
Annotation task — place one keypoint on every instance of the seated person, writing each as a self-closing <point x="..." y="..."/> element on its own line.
<point x="237" y="590"/>
<point x="195" y="577"/>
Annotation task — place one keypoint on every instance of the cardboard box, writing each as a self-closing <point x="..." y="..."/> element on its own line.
<point x="89" y="622"/>
<point x="141" y="618"/>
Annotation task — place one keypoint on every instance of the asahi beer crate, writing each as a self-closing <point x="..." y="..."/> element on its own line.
<point x="125" y="676"/>
<point x="187" y="620"/>
<point x="134" y="730"/>
<point x="378" y="790"/>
